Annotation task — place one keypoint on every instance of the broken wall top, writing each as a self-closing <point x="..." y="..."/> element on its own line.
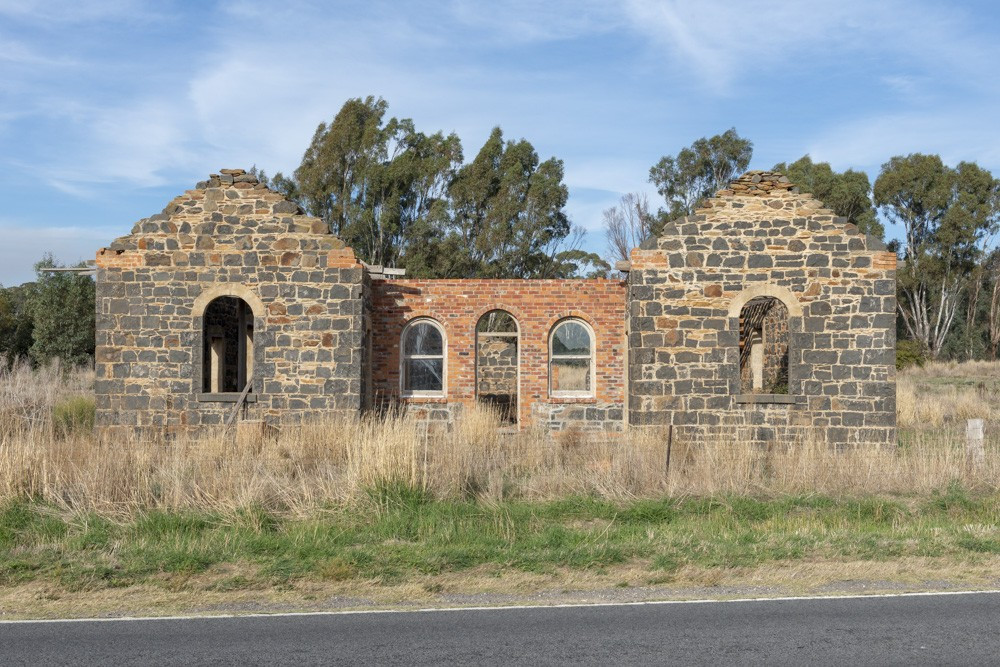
<point x="757" y="205"/>
<point x="232" y="210"/>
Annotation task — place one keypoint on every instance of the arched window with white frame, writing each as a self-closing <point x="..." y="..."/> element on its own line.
<point x="422" y="362"/>
<point x="571" y="359"/>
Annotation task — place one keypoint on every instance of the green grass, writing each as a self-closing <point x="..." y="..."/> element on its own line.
<point x="74" y="415"/>
<point x="397" y="534"/>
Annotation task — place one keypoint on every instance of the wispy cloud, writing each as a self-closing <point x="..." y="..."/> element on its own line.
<point x="528" y="21"/>
<point x="114" y="101"/>
<point x="956" y="134"/>
<point x="724" y="43"/>
<point x="48" y="12"/>
<point x="25" y="244"/>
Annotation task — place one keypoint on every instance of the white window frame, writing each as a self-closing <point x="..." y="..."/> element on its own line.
<point x="590" y="393"/>
<point x="403" y="358"/>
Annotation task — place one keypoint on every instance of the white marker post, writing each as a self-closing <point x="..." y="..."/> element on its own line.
<point x="974" y="453"/>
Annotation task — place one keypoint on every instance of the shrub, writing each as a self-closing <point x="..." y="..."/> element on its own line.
<point x="73" y="415"/>
<point x="909" y="353"/>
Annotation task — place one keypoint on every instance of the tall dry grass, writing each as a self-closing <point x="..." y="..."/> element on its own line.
<point x="342" y="459"/>
<point x="947" y="393"/>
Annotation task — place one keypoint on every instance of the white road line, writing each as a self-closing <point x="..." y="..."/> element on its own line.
<point x="528" y="607"/>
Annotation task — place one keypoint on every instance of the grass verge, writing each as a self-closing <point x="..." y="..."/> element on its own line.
<point x="397" y="536"/>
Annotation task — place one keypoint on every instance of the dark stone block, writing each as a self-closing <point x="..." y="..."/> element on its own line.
<point x="817" y="260"/>
<point x="819" y="308"/>
<point x="733" y="262"/>
<point x="814" y="324"/>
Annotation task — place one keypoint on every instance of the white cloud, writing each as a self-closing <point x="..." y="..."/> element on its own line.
<point x="529" y="21"/>
<point x="24" y="244"/>
<point x="726" y="43"/>
<point x="613" y="175"/>
<point x="47" y="12"/>
<point x="956" y="134"/>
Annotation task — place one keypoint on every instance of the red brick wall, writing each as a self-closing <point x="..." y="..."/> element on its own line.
<point x="537" y="305"/>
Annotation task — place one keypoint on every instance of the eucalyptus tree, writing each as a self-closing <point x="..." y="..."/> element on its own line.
<point x="697" y="171"/>
<point x="374" y="180"/>
<point x="847" y="193"/>
<point x="507" y="212"/>
<point x="945" y="215"/>
<point x="62" y="316"/>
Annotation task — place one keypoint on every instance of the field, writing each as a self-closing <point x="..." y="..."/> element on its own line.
<point x="356" y="512"/>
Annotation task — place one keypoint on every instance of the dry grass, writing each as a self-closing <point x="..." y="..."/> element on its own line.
<point x="342" y="459"/>
<point x="202" y="594"/>
<point x="942" y="394"/>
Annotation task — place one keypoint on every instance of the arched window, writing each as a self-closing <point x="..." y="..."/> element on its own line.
<point x="571" y="359"/>
<point x="227" y="358"/>
<point x="422" y="364"/>
<point x="497" y="363"/>
<point x="764" y="346"/>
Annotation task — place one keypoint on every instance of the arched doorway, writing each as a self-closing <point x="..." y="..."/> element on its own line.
<point x="497" y="362"/>
<point x="227" y="359"/>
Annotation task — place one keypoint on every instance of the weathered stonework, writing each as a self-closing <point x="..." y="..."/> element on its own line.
<point x="761" y="238"/>
<point x="230" y="237"/>
<point x="231" y="281"/>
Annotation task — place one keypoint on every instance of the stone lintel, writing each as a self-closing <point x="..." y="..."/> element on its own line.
<point x="225" y="397"/>
<point x="781" y="399"/>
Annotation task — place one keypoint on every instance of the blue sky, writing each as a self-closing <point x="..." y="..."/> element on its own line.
<point x="109" y="109"/>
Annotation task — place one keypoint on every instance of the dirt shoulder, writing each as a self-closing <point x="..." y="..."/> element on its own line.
<point x="481" y="588"/>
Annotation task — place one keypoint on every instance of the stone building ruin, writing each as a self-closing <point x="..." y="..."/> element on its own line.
<point x="761" y="309"/>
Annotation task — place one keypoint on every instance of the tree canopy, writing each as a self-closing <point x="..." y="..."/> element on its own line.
<point x="400" y="197"/>
<point x="15" y="322"/>
<point x="846" y="193"/>
<point x="378" y="183"/>
<point x="945" y="213"/>
<point x="62" y="314"/>
<point x="699" y="170"/>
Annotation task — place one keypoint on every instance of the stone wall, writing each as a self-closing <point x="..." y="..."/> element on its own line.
<point x="775" y="332"/>
<point x="229" y="237"/>
<point x="496" y="373"/>
<point x="760" y="237"/>
<point x="537" y="305"/>
<point x="326" y="331"/>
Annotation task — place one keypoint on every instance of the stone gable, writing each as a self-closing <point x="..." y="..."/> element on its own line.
<point x="229" y="237"/>
<point x="760" y="238"/>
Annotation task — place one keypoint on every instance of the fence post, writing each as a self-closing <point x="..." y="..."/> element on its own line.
<point x="974" y="453"/>
<point x="670" y="444"/>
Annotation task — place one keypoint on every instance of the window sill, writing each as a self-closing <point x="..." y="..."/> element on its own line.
<point x="572" y="399"/>
<point x="225" y="397"/>
<point x="772" y="399"/>
<point x="421" y="398"/>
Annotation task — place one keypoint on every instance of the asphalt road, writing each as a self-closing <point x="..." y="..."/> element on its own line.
<point x="939" y="630"/>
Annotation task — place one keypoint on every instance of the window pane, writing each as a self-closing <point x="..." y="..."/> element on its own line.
<point x="423" y="338"/>
<point x="571" y="338"/>
<point x="497" y="321"/>
<point x="571" y="375"/>
<point x="424" y="374"/>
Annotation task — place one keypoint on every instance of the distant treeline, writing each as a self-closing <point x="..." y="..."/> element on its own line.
<point x="407" y="199"/>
